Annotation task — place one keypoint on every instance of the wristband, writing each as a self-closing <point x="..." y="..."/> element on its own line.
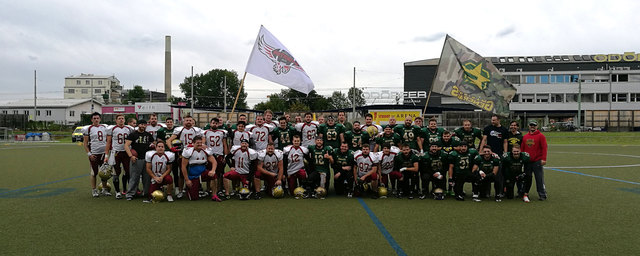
<point x="89" y="154"/>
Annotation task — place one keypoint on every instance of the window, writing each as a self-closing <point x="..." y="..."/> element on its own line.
<point x="602" y="97"/>
<point x="510" y="59"/>
<point x="78" y="82"/>
<point x="15" y="112"/>
<point x="620" y="78"/>
<point x="587" y="97"/>
<point x="513" y="79"/>
<point x="99" y="82"/>
<point x="530" y="79"/>
<point x="87" y="82"/>
<point x="559" y="79"/>
<point x="48" y="112"/>
<point x="37" y="112"/>
<point x="85" y="91"/>
<point x="544" y="79"/>
<point x="72" y="113"/>
<point x="635" y="97"/>
<point x="542" y="98"/>
<point x="503" y="60"/>
<point x="619" y="97"/>
<point x="4" y="112"/>
<point x="521" y="59"/>
<point x="557" y="97"/>
<point x="516" y="98"/>
<point x="71" y="91"/>
<point x="634" y="78"/>
<point x="26" y="112"/>
<point x="574" y="79"/>
<point x="97" y="91"/>
<point x="529" y="59"/>
<point x="527" y="97"/>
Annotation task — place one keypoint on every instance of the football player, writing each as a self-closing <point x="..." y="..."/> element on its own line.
<point x="153" y="126"/>
<point x="308" y="130"/>
<point x="166" y="131"/>
<point x="260" y="134"/>
<point x="356" y="137"/>
<point x="372" y="129"/>
<point x="342" y="119"/>
<point x="115" y="150"/>
<point x="95" y="142"/>
<point x="468" y="133"/>
<point x="387" y="137"/>
<point x="284" y="133"/>
<point x="392" y="122"/>
<point x="185" y="134"/>
<point x="164" y="134"/>
<point x="435" y="169"/>
<point x="132" y="123"/>
<point x="366" y="168"/>
<point x="447" y="142"/>
<point x="514" y="174"/>
<point x="216" y="141"/>
<point x="387" y="171"/>
<point x="242" y="168"/>
<point x="331" y="133"/>
<point x="239" y="134"/>
<point x="194" y="167"/>
<point x="159" y="168"/>
<point x="136" y="145"/>
<point x="270" y="168"/>
<point x="485" y="169"/>
<point x="318" y="173"/>
<point x="342" y="164"/>
<point x="460" y="165"/>
<point x="295" y="166"/>
<point x="409" y="134"/>
<point x="431" y="133"/>
<point x="407" y="163"/>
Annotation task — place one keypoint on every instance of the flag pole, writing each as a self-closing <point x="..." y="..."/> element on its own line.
<point x="238" y="95"/>
<point x="424" y="111"/>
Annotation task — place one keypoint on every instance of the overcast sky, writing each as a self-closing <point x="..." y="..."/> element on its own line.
<point x="329" y="38"/>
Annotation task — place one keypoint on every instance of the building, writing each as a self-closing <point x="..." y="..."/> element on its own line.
<point x="549" y="87"/>
<point x="105" y="88"/>
<point x="149" y="96"/>
<point x="60" y="111"/>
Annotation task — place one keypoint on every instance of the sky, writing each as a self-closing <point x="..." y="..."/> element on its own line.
<point x="328" y="38"/>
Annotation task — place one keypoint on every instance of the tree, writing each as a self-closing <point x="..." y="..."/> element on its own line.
<point x="360" y="101"/>
<point x="136" y="94"/>
<point x="209" y="89"/>
<point x="275" y="103"/>
<point x="338" y="100"/>
<point x="298" y="107"/>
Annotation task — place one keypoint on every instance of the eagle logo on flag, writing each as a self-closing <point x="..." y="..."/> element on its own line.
<point x="282" y="60"/>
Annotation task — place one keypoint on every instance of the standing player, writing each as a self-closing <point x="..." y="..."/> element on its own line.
<point x="514" y="174"/>
<point x="319" y="166"/>
<point x="137" y="145"/>
<point x="535" y="144"/>
<point x="342" y="119"/>
<point x="194" y="167"/>
<point x="295" y="167"/>
<point x="165" y="132"/>
<point x="240" y="134"/>
<point x="431" y="133"/>
<point x="460" y="165"/>
<point x="407" y="164"/>
<point x="410" y="134"/>
<point x="185" y="134"/>
<point x="132" y="123"/>
<point x="159" y="169"/>
<point x="153" y="126"/>
<point x="495" y="136"/>
<point x="331" y="133"/>
<point x="216" y="141"/>
<point x="308" y="130"/>
<point x="514" y="137"/>
<point x="387" y="137"/>
<point x="342" y="164"/>
<point x="270" y="168"/>
<point x="242" y="168"/>
<point x="485" y="169"/>
<point x="392" y="122"/>
<point x="260" y="134"/>
<point x="468" y="133"/>
<point x="115" y="147"/>
<point x="366" y="168"/>
<point x="284" y="133"/>
<point x="356" y="137"/>
<point x="447" y="142"/>
<point x="94" y="142"/>
<point x="434" y="170"/>
<point x="372" y="129"/>
<point x="387" y="166"/>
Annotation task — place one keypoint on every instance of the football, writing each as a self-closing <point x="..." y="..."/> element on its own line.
<point x="134" y="153"/>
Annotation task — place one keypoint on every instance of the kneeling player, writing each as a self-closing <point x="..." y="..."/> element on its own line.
<point x="366" y="168"/>
<point x="513" y="163"/>
<point x="318" y="173"/>
<point x="461" y="164"/>
<point x="387" y="158"/>
<point x="194" y="166"/>
<point x="295" y="167"/>
<point x="270" y="168"/>
<point x="243" y="165"/>
<point x="407" y="164"/>
<point x="485" y="169"/>
<point x="159" y="168"/>
<point x="434" y="167"/>
<point x="342" y="164"/>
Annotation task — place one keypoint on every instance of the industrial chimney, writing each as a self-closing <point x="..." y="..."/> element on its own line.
<point x="167" y="66"/>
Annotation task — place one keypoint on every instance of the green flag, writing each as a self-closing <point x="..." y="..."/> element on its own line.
<point x="469" y="77"/>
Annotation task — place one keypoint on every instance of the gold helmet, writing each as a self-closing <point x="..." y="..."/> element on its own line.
<point x="298" y="192"/>
<point x="157" y="196"/>
<point x="105" y="172"/>
<point x="106" y="187"/>
<point x="382" y="192"/>
<point x="438" y="194"/>
<point x="277" y="192"/>
<point x="372" y="130"/>
<point x="244" y="193"/>
<point x="321" y="192"/>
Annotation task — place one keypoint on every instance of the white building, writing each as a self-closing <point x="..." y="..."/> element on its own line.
<point x="61" y="111"/>
<point x="79" y="87"/>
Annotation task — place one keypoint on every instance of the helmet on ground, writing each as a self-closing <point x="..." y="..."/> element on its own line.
<point x="320" y="192"/>
<point x="244" y="193"/>
<point x="105" y="172"/>
<point x="382" y="192"/>
<point x="277" y="192"/>
<point x="106" y="187"/>
<point x="157" y="196"/>
<point x="298" y="192"/>
<point x="438" y="194"/>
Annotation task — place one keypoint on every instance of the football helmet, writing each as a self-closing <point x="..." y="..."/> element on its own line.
<point x="105" y="172"/>
<point x="298" y="192"/>
<point x="177" y="144"/>
<point x="382" y="192"/>
<point x="277" y="192"/>
<point x="107" y="187"/>
<point x="438" y="194"/>
<point x="320" y="192"/>
<point x="244" y="193"/>
<point x="157" y="196"/>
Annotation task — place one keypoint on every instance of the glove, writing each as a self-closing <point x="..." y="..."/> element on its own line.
<point x="403" y="169"/>
<point x="482" y="173"/>
<point x="422" y="152"/>
<point x="450" y="182"/>
<point x="174" y="149"/>
<point x="439" y="176"/>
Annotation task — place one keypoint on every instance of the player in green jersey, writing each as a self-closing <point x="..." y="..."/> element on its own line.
<point x="468" y="133"/>
<point x="485" y="169"/>
<point x="460" y="166"/>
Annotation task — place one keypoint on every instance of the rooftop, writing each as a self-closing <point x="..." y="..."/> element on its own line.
<point x="51" y="103"/>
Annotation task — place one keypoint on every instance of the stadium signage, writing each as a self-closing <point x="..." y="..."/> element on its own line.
<point x="386" y="94"/>
<point x="615" y="57"/>
<point x="382" y="116"/>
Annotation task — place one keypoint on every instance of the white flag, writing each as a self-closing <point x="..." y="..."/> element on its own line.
<point x="271" y="60"/>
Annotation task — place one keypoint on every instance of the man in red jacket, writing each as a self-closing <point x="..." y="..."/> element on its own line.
<point x="535" y="144"/>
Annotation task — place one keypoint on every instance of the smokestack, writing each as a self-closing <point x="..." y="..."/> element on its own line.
<point x="167" y="66"/>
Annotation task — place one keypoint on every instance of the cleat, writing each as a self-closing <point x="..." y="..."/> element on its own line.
<point x="227" y="197"/>
<point x="476" y="198"/>
<point x="146" y="201"/>
<point x="257" y="196"/>
<point x="118" y="196"/>
<point x="180" y="194"/>
<point x="169" y="198"/>
<point x="542" y="199"/>
<point x="525" y="199"/>
<point x="459" y="198"/>
<point x="498" y="199"/>
<point x="129" y="198"/>
<point x="422" y="197"/>
<point x="105" y="192"/>
<point x="215" y="198"/>
<point x="94" y="192"/>
<point x="349" y="195"/>
<point x="399" y="195"/>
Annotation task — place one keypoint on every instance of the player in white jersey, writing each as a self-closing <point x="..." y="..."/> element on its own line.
<point x="116" y="155"/>
<point x="242" y="167"/>
<point x="260" y="134"/>
<point x="216" y="140"/>
<point x="185" y="134"/>
<point x="95" y="142"/>
<point x="374" y="130"/>
<point x="387" y="157"/>
<point x="239" y="134"/>
<point x="153" y="126"/>
<point x="194" y="167"/>
<point x="270" y="168"/>
<point x="159" y="169"/>
<point x="295" y="168"/>
<point x="308" y="130"/>
<point x="366" y="168"/>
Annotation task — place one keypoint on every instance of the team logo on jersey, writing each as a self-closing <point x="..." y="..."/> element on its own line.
<point x="530" y="142"/>
<point x="476" y="75"/>
<point x="283" y="61"/>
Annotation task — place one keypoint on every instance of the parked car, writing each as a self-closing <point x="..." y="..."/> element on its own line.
<point x="77" y="134"/>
